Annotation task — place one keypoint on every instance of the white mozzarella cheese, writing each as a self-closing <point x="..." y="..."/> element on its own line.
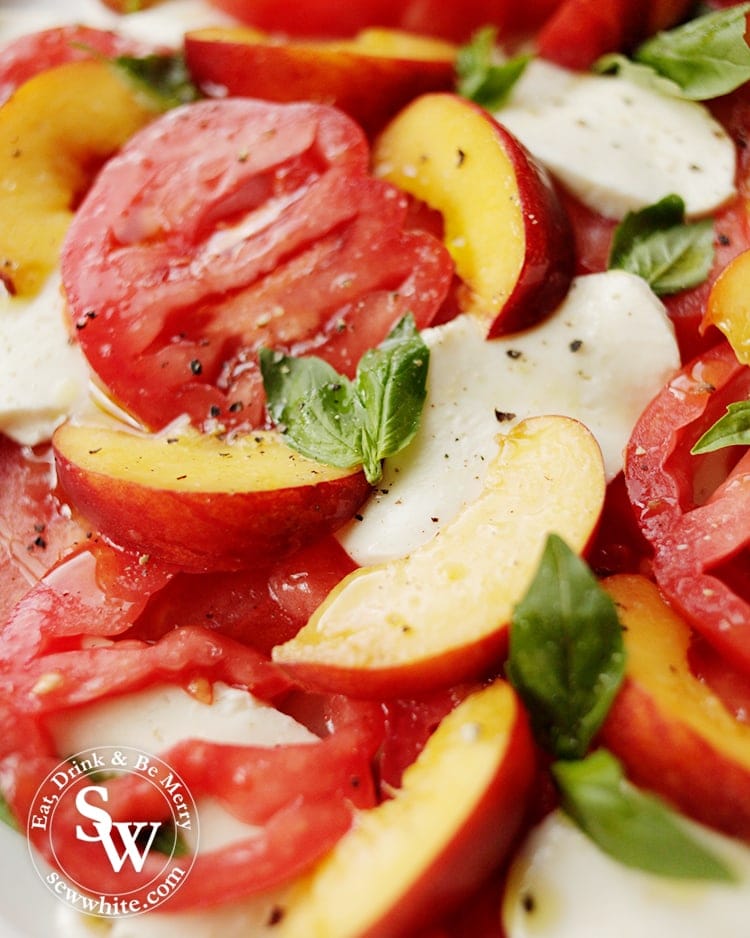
<point x="159" y="717"/>
<point x="43" y="374"/>
<point x="600" y="358"/>
<point x="620" y="146"/>
<point x="562" y="886"/>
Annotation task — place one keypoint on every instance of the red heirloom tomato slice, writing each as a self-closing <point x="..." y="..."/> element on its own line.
<point x="694" y="509"/>
<point x="230" y="224"/>
<point x="35" y="529"/>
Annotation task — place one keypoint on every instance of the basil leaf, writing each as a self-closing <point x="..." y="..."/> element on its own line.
<point x="635" y="828"/>
<point x="706" y="57"/>
<point x="480" y="77"/>
<point x="659" y="246"/>
<point x="165" y="78"/>
<point x="316" y="407"/>
<point x="392" y="385"/>
<point x="334" y="420"/>
<point x="6" y="815"/>
<point x="733" y="429"/>
<point x="566" y="656"/>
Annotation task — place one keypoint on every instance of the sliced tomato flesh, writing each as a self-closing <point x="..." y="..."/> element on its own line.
<point x="232" y="224"/>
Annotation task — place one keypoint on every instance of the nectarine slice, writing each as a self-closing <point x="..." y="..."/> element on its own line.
<point x="54" y="134"/>
<point x="671" y="732"/>
<point x="199" y="501"/>
<point x="406" y="861"/>
<point x="504" y="225"/>
<point x="441" y="613"/>
<point x="370" y="77"/>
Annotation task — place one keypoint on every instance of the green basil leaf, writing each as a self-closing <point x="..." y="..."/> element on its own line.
<point x="316" y="407"/>
<point x="481" y="78"/>
<point x="635" y="828"/>
<point x="707" y="56"/>
<point x="733" y="429"/>
<point x="6" y="815"/>
<point x="343" y="423"/>
<point x="164" y="78"/>
<point x="392" y="384"/>
<point x="566" y="656"/>
<point x="659" y="246"/>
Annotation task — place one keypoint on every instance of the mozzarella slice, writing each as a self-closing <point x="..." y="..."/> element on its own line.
<point x="43" y="374"/>
<point x="562" y="886"/>
<point x="159" y="717"/>
<point x="600" y="358"/>
<point x="620" y="146"/>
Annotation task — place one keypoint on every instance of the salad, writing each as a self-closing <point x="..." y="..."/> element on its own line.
<point x="373" y="436"/>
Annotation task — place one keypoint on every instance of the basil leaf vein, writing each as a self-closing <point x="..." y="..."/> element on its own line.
<point x="658" y="245"/>
<point x="635" y="828"/>
<point x="566" y="656"/>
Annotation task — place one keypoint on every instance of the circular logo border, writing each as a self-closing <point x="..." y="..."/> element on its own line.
<point x="62" y="784"/>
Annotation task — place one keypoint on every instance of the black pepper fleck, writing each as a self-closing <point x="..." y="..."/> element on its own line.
<point x="503" y="415"/>
<point x="196" y="367"/>
<point x="576" y="345"/>
<point x="528" y="902"/>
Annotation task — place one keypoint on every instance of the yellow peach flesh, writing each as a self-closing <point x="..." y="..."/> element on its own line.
<point x="447" y="154"/>
<point x="54" y="133"/>
<point x="187" y="461"/>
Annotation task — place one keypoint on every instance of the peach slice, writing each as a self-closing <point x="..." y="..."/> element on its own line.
<point x="441" y="613"/>
<point x="54" y="134"/>
<point x="504" y="224"/>
<point x="200" y="501"/>
<point x="370" y="77"/>
<point x="672" y="733"/>
<point x="411" y="858"/>
<point x="728" y="306"/>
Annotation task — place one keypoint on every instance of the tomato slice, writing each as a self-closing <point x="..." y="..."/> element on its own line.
<point x="693" y="510"/>
<point x="231" y="224"/>
<point x="36" y="530"/>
